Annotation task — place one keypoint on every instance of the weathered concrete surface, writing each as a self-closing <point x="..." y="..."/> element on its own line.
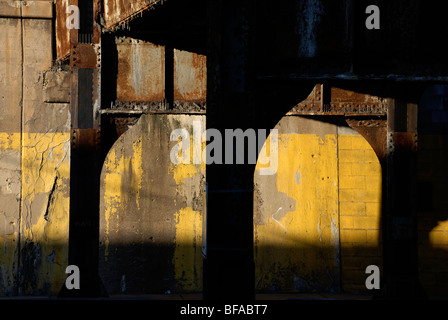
<point x="56" y="86"/>
<point x="11" y="75"/>
<point x="319" y="214"/>
<point x="34" y="160"/>
<point x="45" y="170"/>
<point x="26" y="9"/>
<point x="151" y="212"/>
<point x="10" y="120"/>
<point x="10" y="190"/>
<point x="316" y="221"/>
<point x="296" y="211"/>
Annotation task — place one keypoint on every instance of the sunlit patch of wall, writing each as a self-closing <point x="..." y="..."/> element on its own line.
<point x="34" y="154"/>
<point x="359" y="209"/>
<point x="45" y="211"/>
<point x="317" y="221"/>
<point x="296" y="212"/>
<point x="151" y="212"/>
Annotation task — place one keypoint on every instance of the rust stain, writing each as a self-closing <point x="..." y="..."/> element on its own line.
<point x="190" y="76"/>
<point x="141" y="71"/>
<point x="313" y="103"/>
<point x="83" y="55"/>
<point x="62" y="33"/>
<point x="374" y="131"/>
<point x="340" y="102"/>
<point x="339" y="95"/>
<point x="117" y="12"/>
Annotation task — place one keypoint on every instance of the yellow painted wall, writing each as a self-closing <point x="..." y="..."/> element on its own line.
<point x="359" y="210"/>
<point x="45" y="208"/>
<point x="34" y="163"/>
<point x="43" y="216"/>
<point x="297" y="245"/>
<point x="151" y="211"/>
<point x="325" y="229"/>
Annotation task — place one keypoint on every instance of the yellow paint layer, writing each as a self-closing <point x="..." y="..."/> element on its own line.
<point x="122" y="168"/>
<point x="360" y="209"/>
<point x="186" y="168"/>
<point x="137" y="169"/>
<point x="187" y="259"/>
<point x="438" y="236"/>
<point x="45" y="203"/>
<point x="360" y="190"/>
<point x="9" y="141"/>
<point x="297" y="241"/>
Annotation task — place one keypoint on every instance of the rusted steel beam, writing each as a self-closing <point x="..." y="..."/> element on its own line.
<point x="84" y="56"/>
<point x="400" y="253"/>
<point x="197" y="107"/>
<point x="324" y="40"/>
<point x="137" y="112"/>
<point x="62" y="32"/>
<point x="229" y="265"/>
<point x="145" y="61"/>
<point x="351" y="77"/>
<point x="118" y="13"/>
<point x="86" y="149"/>
<point x="374" y="130"/>
<point x="122" y="124"/>
<point x="337" y="101"/>
<point x="97" y="29"/>
<point x="86" y="139"/>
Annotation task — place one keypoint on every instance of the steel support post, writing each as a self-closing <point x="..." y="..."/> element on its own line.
<point x="229" y="264"/>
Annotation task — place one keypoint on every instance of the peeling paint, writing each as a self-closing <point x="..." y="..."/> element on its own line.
<point x="151" y="211"/>
<point x="304" y="249"/>
<point x="9" y="141"/>
<point x="45" y="209"/>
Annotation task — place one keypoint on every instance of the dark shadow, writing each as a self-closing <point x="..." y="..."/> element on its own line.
<point x="181" y="23"/>
<point x="272" y="98"/>
<point x="432" y="196"/>
<point x="140" y="269"/>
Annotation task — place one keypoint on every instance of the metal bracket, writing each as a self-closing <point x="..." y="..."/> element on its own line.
<point x="86" y="139"/>
<point x="83" y="55"/>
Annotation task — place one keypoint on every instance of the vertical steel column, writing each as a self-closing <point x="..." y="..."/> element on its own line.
<point x="229" y="264"/>
<point x="85" y="160"/>
<point x="400" y="217"/>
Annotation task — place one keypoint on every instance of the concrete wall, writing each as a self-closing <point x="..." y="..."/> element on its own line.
<point x="34" y="155"/>
<point x="151" y="212"/>
<point x="317" y="220"/>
